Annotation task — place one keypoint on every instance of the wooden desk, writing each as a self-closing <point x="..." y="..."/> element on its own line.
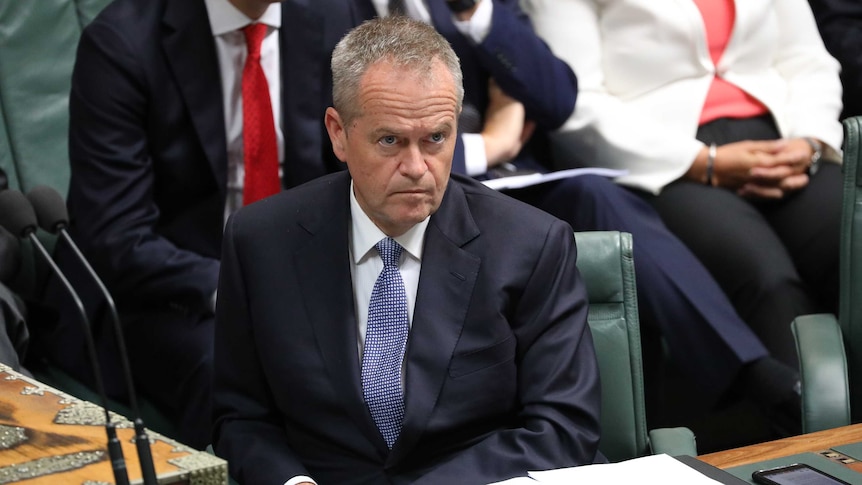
<point x="819" y="442"/>
<point x="49" y="437"/>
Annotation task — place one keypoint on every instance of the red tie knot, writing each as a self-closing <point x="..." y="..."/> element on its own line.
<point x="254" y="34"/>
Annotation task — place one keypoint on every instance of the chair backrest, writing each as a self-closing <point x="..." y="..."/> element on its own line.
<point x="38" y="41"/>
<point x="850" y="305"/>
<point x="606" y="264"/>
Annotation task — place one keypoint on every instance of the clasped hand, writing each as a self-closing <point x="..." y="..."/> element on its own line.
<point x="763" y="169"/>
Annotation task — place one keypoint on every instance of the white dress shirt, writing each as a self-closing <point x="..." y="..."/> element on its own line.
<point x="226" y="22"/>
<point x="365" y="267"/>
<point x="367" y="264"/>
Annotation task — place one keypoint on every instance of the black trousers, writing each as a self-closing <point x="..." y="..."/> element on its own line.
<point x="775" y="259"/>
<point x="676" y="295"/>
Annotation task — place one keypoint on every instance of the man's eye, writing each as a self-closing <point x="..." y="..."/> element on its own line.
<point x="389" y="140"/>
<point x="437" y="137"/>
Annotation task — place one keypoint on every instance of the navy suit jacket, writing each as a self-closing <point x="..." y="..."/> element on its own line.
<point x="501" y="375"/>
<point x="149" y="164"/>
<point x="147" y="141"/>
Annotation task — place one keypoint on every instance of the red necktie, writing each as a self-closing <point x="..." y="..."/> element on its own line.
<point x="258" y="129"/>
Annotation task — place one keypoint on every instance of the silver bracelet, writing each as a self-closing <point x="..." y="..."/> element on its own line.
<point x="710" y="162"/>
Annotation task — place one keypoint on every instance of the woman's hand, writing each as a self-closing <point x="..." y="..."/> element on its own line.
<point x="763" y="169"/>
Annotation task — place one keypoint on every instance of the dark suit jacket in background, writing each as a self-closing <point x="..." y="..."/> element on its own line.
<point x="840" y="24"/>
<point x="501" y="375"/>
<point x="149" y="167"/>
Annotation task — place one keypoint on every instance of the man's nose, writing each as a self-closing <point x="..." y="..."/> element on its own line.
<point x="413" y="162"/>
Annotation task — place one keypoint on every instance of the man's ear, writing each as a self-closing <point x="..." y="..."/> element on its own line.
<point x="337" y="133"/>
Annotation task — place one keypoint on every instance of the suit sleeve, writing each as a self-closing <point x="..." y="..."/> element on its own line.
<point x="111" y="195"/>
<point x="526" y="69"/>
<point x="246" y="429"/>
<point x="558" y="379"/>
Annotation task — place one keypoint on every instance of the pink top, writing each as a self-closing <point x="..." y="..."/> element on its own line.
<point x="724" y="99"/>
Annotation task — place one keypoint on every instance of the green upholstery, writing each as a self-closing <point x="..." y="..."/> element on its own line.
<point x="850" y="304"/>
<point x="825" y="402"/>
<point x="821" y="359"/>
<point x="38" y="41"/>
<point x="830" y="349"/>
<point x="606" y="264"/>
<point x="37" y="53"/>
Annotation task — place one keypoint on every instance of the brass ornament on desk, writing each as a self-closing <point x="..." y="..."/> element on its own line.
<point x="49" y="465"/>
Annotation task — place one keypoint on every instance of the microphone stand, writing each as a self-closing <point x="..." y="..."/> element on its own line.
<point x="115" y="449"/>
<point x="142" y="441"/>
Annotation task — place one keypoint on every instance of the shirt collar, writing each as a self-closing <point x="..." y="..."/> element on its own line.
<point x="224" y="17"/>
<point x="366" y="234"/>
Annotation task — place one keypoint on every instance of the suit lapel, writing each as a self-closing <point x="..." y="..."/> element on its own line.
<point x="327" y="290"/>
<point x="190" y="52"/>
<point x="445" y="285"/>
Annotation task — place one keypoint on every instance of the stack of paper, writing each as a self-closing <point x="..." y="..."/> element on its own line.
<point x="649" y="470"/>
<point x="520" y="181"/>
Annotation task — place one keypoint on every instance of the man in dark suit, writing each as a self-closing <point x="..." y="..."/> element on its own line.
<point x="156" y="148"/>
<point x="840" y="24"/>
<point x="493" y="372"/>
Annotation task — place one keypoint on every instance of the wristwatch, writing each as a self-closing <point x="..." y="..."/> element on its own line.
<point x="817" y="148"/>
<point x="459" y="6"/>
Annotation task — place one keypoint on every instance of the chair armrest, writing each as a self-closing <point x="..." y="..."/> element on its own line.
<point x="823" y="371"/>
<point x="672" y="441"/>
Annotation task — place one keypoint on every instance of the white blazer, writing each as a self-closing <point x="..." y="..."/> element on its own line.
<point x="644" y="71"/>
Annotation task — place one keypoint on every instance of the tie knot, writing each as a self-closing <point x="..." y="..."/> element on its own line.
<point x="390" y="252"/>
<point x="254" y="34"/>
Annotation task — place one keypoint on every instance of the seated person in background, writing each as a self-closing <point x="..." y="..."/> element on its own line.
<point x="840" y="24"/>
<point x="532" y="91"/>
<point x="14" y="334"/>
<point x="371" y="328"/>
<point x="159" y="156"/>
<point x="725" y="131"/>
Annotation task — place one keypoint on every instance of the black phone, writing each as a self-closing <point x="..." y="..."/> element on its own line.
<point x="795" y="474"/>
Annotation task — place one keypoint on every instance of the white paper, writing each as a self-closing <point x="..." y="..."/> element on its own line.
<point x="517" y="481"/>
<point x="648" y="470"/>
<point x="521" y="181"/>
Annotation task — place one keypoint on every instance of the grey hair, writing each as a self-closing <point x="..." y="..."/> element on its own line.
<point x="396" y="39"/>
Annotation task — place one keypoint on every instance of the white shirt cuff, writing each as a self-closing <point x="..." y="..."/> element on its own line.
<point x="474" y="154"/>
<point x="479" y="25"/>
<point x="299" y="479"/>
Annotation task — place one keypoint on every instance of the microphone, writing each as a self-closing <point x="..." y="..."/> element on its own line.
<point x="19" y="218"/>
<point x="51" y="213"/>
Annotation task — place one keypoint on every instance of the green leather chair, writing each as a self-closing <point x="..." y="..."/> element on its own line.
<point x="837" y="372"/>
<point x="38" y="42"/>
<point x="850" y="298"/>
<point x="606" y="264"/>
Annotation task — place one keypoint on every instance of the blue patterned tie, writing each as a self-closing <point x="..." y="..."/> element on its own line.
<point x="385" y="341"/>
